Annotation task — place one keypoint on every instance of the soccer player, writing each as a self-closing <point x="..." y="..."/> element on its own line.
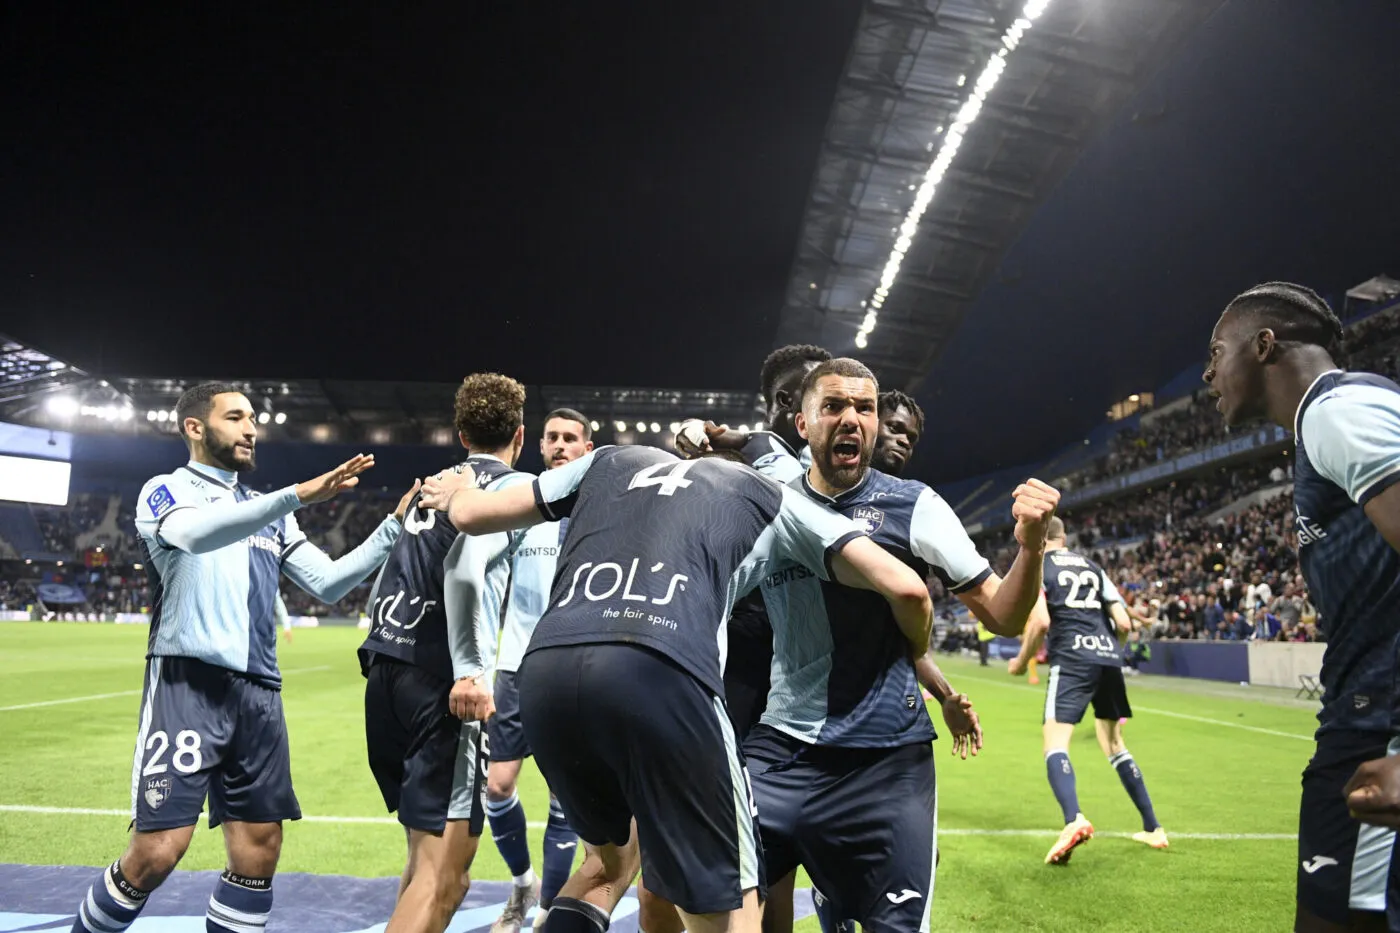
<point x="621" y="691"/>
<point x="1086" y="663"/>
<point x="211" y="721"/>
<point x="901" y="426"/>
<point x="1273" y="356"/>
<point x="844" y="715"/>
<point x="567" y="436"/>
<point x="439" y="590"/>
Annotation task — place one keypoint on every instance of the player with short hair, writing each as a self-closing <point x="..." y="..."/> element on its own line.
<point x="1086" y="664"/>
<point x="439" y="590"/>
<point x="657" y="551"/>
<point x="844" y="714"/>
<point x="211" y="722"/>
<point x="566" y="437"/>
<point x="1273" y="355"/>
<point x="901" y="426"/>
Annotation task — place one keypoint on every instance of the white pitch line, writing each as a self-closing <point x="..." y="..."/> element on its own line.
<point x="124" y="693"/>
<point x="1159" y="712"/>
<point x="390" y="821"/>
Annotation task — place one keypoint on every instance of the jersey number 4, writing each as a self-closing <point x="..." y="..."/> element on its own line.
<point x="1086" y="580"/>
<point x="666" y="484"/>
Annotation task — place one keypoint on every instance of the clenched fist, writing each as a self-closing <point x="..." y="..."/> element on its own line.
<point x="1032" y="507"/>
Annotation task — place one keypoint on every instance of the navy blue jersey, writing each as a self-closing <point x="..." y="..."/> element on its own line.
<point x="1078" y="592"/>
<point x="658" y="550"/>
<point x="841" y="669"/>
<point x="408" y="613"/>
<point x="1348" y="451"/>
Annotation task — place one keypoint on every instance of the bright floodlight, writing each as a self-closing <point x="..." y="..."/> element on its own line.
<point x="152" y="415"/>
<point x="63" y="405"/>
<point x="675" y="427"/>
<point x="619" y="426"/>
<point x="593" y="425"/>
<point x="280" y="418"/>
<point x="641" y="426"/>
<point x="264" y="417"/>
<point x="655" y="428"/>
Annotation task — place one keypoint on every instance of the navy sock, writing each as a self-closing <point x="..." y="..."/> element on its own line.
<point x="508" y="829"/>
<point x="560" y="844"/>
<point x="112" y="903"/>
<point x="1131" y="776"/>
<point x="239" y="904"/>
<point x="1061" y="774"/>
<point x="570" y="915"/>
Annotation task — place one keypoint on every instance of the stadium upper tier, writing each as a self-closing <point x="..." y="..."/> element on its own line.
<point x="1183" y="435"/>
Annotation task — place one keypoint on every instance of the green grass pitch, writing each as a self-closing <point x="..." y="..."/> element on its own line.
<point x="1222" y="763"/>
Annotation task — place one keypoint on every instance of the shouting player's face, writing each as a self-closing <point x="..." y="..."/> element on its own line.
<point x="229" y="435"/>
<point x="1235" y="370"/>
<point x="563" y="442"/>
<point x="899" y="435"/>
<point x="839" y="420"/>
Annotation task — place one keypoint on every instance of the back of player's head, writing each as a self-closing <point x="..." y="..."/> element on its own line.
<point x="569" y="414"/>
<point x="842" y="366"/>
<point x="489" y="410"/>
<point x="1295" y="313"/>
<point x="893" y="398"/>
<point x="783" y="361"/>
<point x="1055" y="528"/>
<point x="197" y="401"/>
<point x="733" y="456"/>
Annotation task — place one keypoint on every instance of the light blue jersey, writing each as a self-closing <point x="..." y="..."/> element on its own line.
<point x="531" y="576"/>
<point x="215" y="550"/>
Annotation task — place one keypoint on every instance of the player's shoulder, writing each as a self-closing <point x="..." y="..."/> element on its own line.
<point x="179" y="487"/>
<point x="883" y="486"/>
<point x="1339" y="395"/>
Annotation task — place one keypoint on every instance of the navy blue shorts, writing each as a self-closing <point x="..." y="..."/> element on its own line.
<point x="862" y="821"/>
<point x="506" y="731"/>
<point x="209" y="732"/>
<point x="619" y="731"/>
<point x="1070" y="689"/>
<point x="1343" y="865"/>
<point x="430" y="765"/>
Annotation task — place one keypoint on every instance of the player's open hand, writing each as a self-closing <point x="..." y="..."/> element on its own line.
<point x="470" y="700"/>
<point x="1373" y="793"/>
<point x="439" y="488"/>
<point x="407" y="498"/>
<point x="328" y="485"/>
<point x="963" y="725"/>
<point x="1033" y="506"/>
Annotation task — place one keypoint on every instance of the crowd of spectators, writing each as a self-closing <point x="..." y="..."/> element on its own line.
<point x="1187" y="576"/>
<point x="61" y="526"/>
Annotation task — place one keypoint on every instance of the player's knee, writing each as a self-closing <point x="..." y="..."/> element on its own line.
<point x="500" y="787"/>
<point x="151" y="858"/>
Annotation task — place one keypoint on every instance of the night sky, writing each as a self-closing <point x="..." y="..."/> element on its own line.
<point x="612" y="194"/>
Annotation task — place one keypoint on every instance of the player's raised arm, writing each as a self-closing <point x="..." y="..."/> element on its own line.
<point x="479" y="511"/>
<point x="183" y="520"/>
<point x="1004" y="605"/>
<point x="328" y="580"/>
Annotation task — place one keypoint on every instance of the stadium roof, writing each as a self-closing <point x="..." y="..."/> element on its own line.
<point x="40" y="390"/>
<point x="911" y="70"/>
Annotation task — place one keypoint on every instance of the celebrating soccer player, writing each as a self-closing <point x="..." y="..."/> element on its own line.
<point x="656" y="553"/>
<point x="1086" y="664"/>
<point x="441" y="590"/>
<point x="211" y="715"/>
<point x="1273" y="355"/>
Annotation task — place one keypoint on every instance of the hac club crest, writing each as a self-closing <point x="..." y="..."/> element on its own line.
<point x="869" y="520"/>
<point x="157" y="792"/>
